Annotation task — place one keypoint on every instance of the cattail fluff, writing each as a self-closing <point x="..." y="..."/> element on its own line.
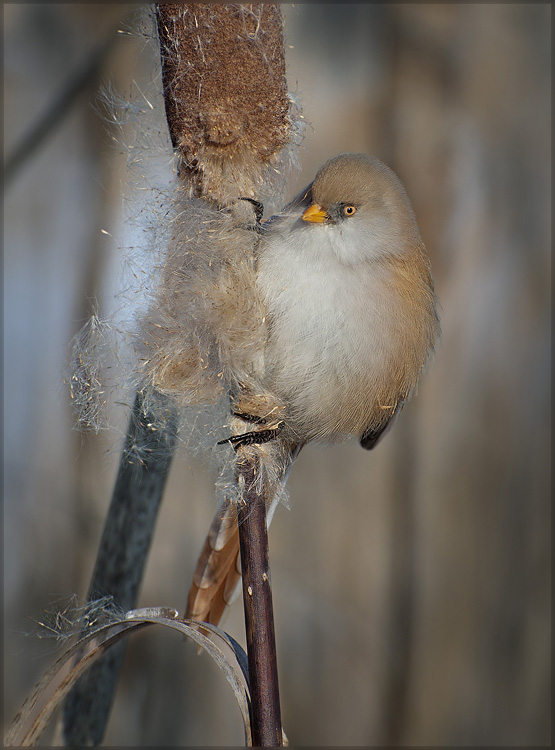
<point x="197" y="327"/>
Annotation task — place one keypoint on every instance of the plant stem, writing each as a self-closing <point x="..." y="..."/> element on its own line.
<point x="259" y="615"/>
<point x="122" y="554"/>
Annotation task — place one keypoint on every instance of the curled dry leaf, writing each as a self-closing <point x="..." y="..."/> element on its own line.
<point x="39" y="707"/>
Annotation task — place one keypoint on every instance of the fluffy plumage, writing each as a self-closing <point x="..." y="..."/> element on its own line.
<point x="351" y="320"/>
<point x="350" y="303"/>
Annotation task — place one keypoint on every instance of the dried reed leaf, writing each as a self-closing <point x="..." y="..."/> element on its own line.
<point x="51" y="689"/>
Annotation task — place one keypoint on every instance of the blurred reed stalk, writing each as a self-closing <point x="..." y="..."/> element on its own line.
<point x="122" y="555"/>
<point x="32" y="141"/>
<point x="219" y="62"/>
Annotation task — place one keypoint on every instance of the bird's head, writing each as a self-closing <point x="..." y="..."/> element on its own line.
<point x="359" y="199"/>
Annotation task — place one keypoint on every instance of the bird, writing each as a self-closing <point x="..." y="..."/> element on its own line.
<point x="352" y="322"/>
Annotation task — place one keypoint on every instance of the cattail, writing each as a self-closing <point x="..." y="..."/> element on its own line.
<point x="197" y="336"/>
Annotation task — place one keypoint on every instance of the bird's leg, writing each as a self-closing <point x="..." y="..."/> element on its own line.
<point x="256" y="437"/>
<point x="248" y="402"/>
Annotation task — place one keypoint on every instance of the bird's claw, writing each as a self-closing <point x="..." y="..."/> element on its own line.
<point x="258" y="211"/>
<point x="256" y="437"/>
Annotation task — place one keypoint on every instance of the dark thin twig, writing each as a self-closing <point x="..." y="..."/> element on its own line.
<point x="122" y="554"/>
<point x="259" y="615"/>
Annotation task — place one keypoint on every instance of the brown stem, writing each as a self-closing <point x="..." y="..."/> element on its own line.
<point x="259" y="615"/>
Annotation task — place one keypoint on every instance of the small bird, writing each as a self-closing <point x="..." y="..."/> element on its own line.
<point x="352" y="322"/>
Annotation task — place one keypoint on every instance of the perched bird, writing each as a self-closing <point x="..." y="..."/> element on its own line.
<point x="352" y="321"/>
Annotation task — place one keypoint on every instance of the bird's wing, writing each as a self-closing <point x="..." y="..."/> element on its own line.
<point x="372" y="436"/>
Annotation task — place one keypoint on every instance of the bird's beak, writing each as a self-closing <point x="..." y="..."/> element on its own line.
<point x="315" y="213"/>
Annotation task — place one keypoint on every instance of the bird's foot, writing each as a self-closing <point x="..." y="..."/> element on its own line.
<point x="256" y="437"/>
<point x="258" y="212"/>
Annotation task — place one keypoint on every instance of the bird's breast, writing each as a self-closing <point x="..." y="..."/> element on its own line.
<point x="332" y="331"/>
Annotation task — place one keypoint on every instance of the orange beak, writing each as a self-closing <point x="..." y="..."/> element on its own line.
<point x="315" y="213"/>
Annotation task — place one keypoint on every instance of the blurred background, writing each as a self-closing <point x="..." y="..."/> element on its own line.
<point x="412" y="584"/>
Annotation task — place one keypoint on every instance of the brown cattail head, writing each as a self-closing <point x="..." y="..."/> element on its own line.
<point x="225" y="93"/>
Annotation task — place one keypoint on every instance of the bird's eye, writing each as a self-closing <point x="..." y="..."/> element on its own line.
<point x="349" y="210"/>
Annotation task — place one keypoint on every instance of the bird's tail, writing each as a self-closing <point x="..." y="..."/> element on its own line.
<point x="217" y="574"/>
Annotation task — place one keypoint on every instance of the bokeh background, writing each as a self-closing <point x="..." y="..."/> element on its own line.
<point x="412" y="584"/>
